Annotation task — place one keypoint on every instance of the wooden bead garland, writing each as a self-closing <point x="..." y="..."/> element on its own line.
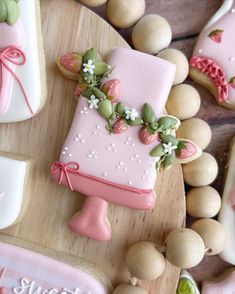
<point x="203" y="202"/>
<point x="212" y="233"/>
<point x="202" y="171"/>
<point x="93" y="3"/>
<point x="124" y="14"/>
<point x="151" y="34"/>
<point x="129" y="289"/>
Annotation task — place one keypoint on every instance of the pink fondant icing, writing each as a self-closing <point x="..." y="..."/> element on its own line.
<point x="187" y="152"/>
<point x="215" y="73"/>
<point x="225" y="287"/>
<point x="9" y="36"/>
<point x="29" y="272"/>
<point x="219" y="50"/>
<point x="122" y="163"/>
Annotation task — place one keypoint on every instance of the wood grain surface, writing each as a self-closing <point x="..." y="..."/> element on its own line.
<point x="67" y="27"/>
<point x="187" y="18"/>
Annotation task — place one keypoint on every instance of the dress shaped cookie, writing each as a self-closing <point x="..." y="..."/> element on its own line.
<point x="213" y="60"/>
<point x="23" y="271"/>
<point x="224" y="284"/>
<point x="227" y="211"/>
<point x="14" y="188"/>
<point x="118" y="136"/>
<point x="22" y="68"/>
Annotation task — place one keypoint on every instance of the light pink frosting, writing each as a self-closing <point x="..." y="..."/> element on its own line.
<point x="10" y="36"/>
<point x="218" y="55"/>
<point x="44" y="272"/>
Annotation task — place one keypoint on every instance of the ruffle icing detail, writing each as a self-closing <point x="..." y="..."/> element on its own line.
<point x="214" y="72"/>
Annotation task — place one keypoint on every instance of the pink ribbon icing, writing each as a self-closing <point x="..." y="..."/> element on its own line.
<point x="215" y="73"/>
<point x="13" y="55"/>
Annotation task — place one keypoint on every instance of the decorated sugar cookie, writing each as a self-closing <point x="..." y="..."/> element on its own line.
<point x="14" y="188"/>
<point x="227" y="212"/>
<point x="186" y="284"/>
<point x="22" y="69"/>
<point x="23" y="271"/>
<point x="213" y="60"/>
<point x="224" y="284"/>
<point x="119" y="137"/>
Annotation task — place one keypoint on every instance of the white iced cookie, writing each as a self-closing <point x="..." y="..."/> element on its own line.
<point x="23" y="87"/>
<point x="14" y="188"/>
<point x="227" y="212"/>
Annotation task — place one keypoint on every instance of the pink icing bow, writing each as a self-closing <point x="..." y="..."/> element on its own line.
<point x="15" y="56"/>
<point x="65" y="169"/>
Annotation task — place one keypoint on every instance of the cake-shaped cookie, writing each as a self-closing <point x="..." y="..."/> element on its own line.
<point x="213" y="62"/>
<point x="23" y="271"/>
<point x="22" y="66"/>
<point x="119" y="137"/>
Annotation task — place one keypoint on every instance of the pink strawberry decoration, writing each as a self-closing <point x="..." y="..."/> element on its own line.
<point x="232" y="82"/>
<point x="112" y="89"/>
<point x="3" y="290"/>
<point x="216" y="35"/>
<point x="80" y="89"/>
<point x="120" y="126"/>
<point x="72" y="61"/>
<point x="187" y="152"/>
<point x="146" y="137"/>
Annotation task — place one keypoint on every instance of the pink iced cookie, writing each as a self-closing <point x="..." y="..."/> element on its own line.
<point x="213" y="60"/>
<point x="9" y="36"/>
<point x="23" y="271"/>
<point x="224" y="284"/>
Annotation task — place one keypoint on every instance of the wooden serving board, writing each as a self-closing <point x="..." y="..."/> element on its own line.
<point x="67" y="26"/>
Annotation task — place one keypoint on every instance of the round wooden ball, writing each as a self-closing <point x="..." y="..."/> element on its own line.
<point x="145" y="262"/>
<point x="151" y="34"/>
<point x="179" y="59"/>
<point x="183" y="102"/>
<point x="212" y="233"/>
<point x="93" y="3"/>
<point x="124" y="14"/>
<point x="129" y="289"/>
<point x="203" y="202"/>
<point x="202" y="171"/>
<point x="184" y="248"/>
<point x="196" y="130"/>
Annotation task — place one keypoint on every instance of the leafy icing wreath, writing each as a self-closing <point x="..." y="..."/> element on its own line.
<point x="90" y="71"/>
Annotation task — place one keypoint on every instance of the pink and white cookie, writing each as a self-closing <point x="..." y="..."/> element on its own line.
<point x="213" y="62"/>
<point x="224" y="284"/>
<point x="227" y="211"/>
<point x="22" y="65"/>
<point x="119" y="137"/>
<point x="23" y="271"/>
<point x="14" y="188"/>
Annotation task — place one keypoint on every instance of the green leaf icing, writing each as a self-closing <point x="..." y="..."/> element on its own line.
<point x="9" y="11"/>
<point x="148" y="114"/>
<point x="186" y="286"/>
<point x="105" y="108"/>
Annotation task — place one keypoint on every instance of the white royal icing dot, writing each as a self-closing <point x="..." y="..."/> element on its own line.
<point x="76" y="139"/>
<point x="113" y="145"/>
<point x="70" y="155"/>
<point x="95" y="133"/>
<point x="143" y="178"/>
<point x="137" y="155"/>
<point x="133" y="144"/>
<point x="115" y="150"/>
<point x="231" y="58"/>
<point x="121" y="163"/>
<point x="233" y="10"/>
<point x="97" y="127"/>
<point x="83" y="141"/>
<point x="63" y="152"/>
<point x="125" y="169"/>
<point x="89" y="155"/>
<point x="200" y="50"/>
<point x="100" y="134"/>
<point x="130" y="183"/>
<point x="139" y="161"/>
<point x="129" y="138"/>
<point x="84" y="108"/>
<point x="1" y="194"/>
<point x="65" y="148"/>
<point x="105" y="174"/>
<point x="146" y="172"/>
<point x="81" y="111"/>
<point x="118" y="167"/>
<point x="79" y="135"/>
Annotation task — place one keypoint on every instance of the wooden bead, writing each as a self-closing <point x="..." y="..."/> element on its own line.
<point x="145" y="262"/>
<point x="196" y="130"/>
<point x="184" y="248"/>
<point x="93" y="3"/>
<point x="179" y="59"/>
<point x="183" y="101"/>
<point x="203" y="202"/>
<point x="124" y="14"/>
<point x="151" y="34"/>
<point x="129" y="289"/>
<point x="202" y="171"/>
<point x="212" y="233"/>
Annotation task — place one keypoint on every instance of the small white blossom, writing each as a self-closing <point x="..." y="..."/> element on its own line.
<point x="93" y="102"/>
<point x="169" y="147"/>
<point x="131" y="114"/>
<point x="89" y="67"/>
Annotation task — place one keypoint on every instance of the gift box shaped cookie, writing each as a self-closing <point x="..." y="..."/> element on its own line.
<point x="119" y="137"/>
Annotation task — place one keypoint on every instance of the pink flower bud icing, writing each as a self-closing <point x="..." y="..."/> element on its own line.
<point x="112" y="89"/>
<point x="72" y="62"/>
<point x="120" y="126"/>
<point x="146" y="137"/>
<point x="187" y="152"/>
